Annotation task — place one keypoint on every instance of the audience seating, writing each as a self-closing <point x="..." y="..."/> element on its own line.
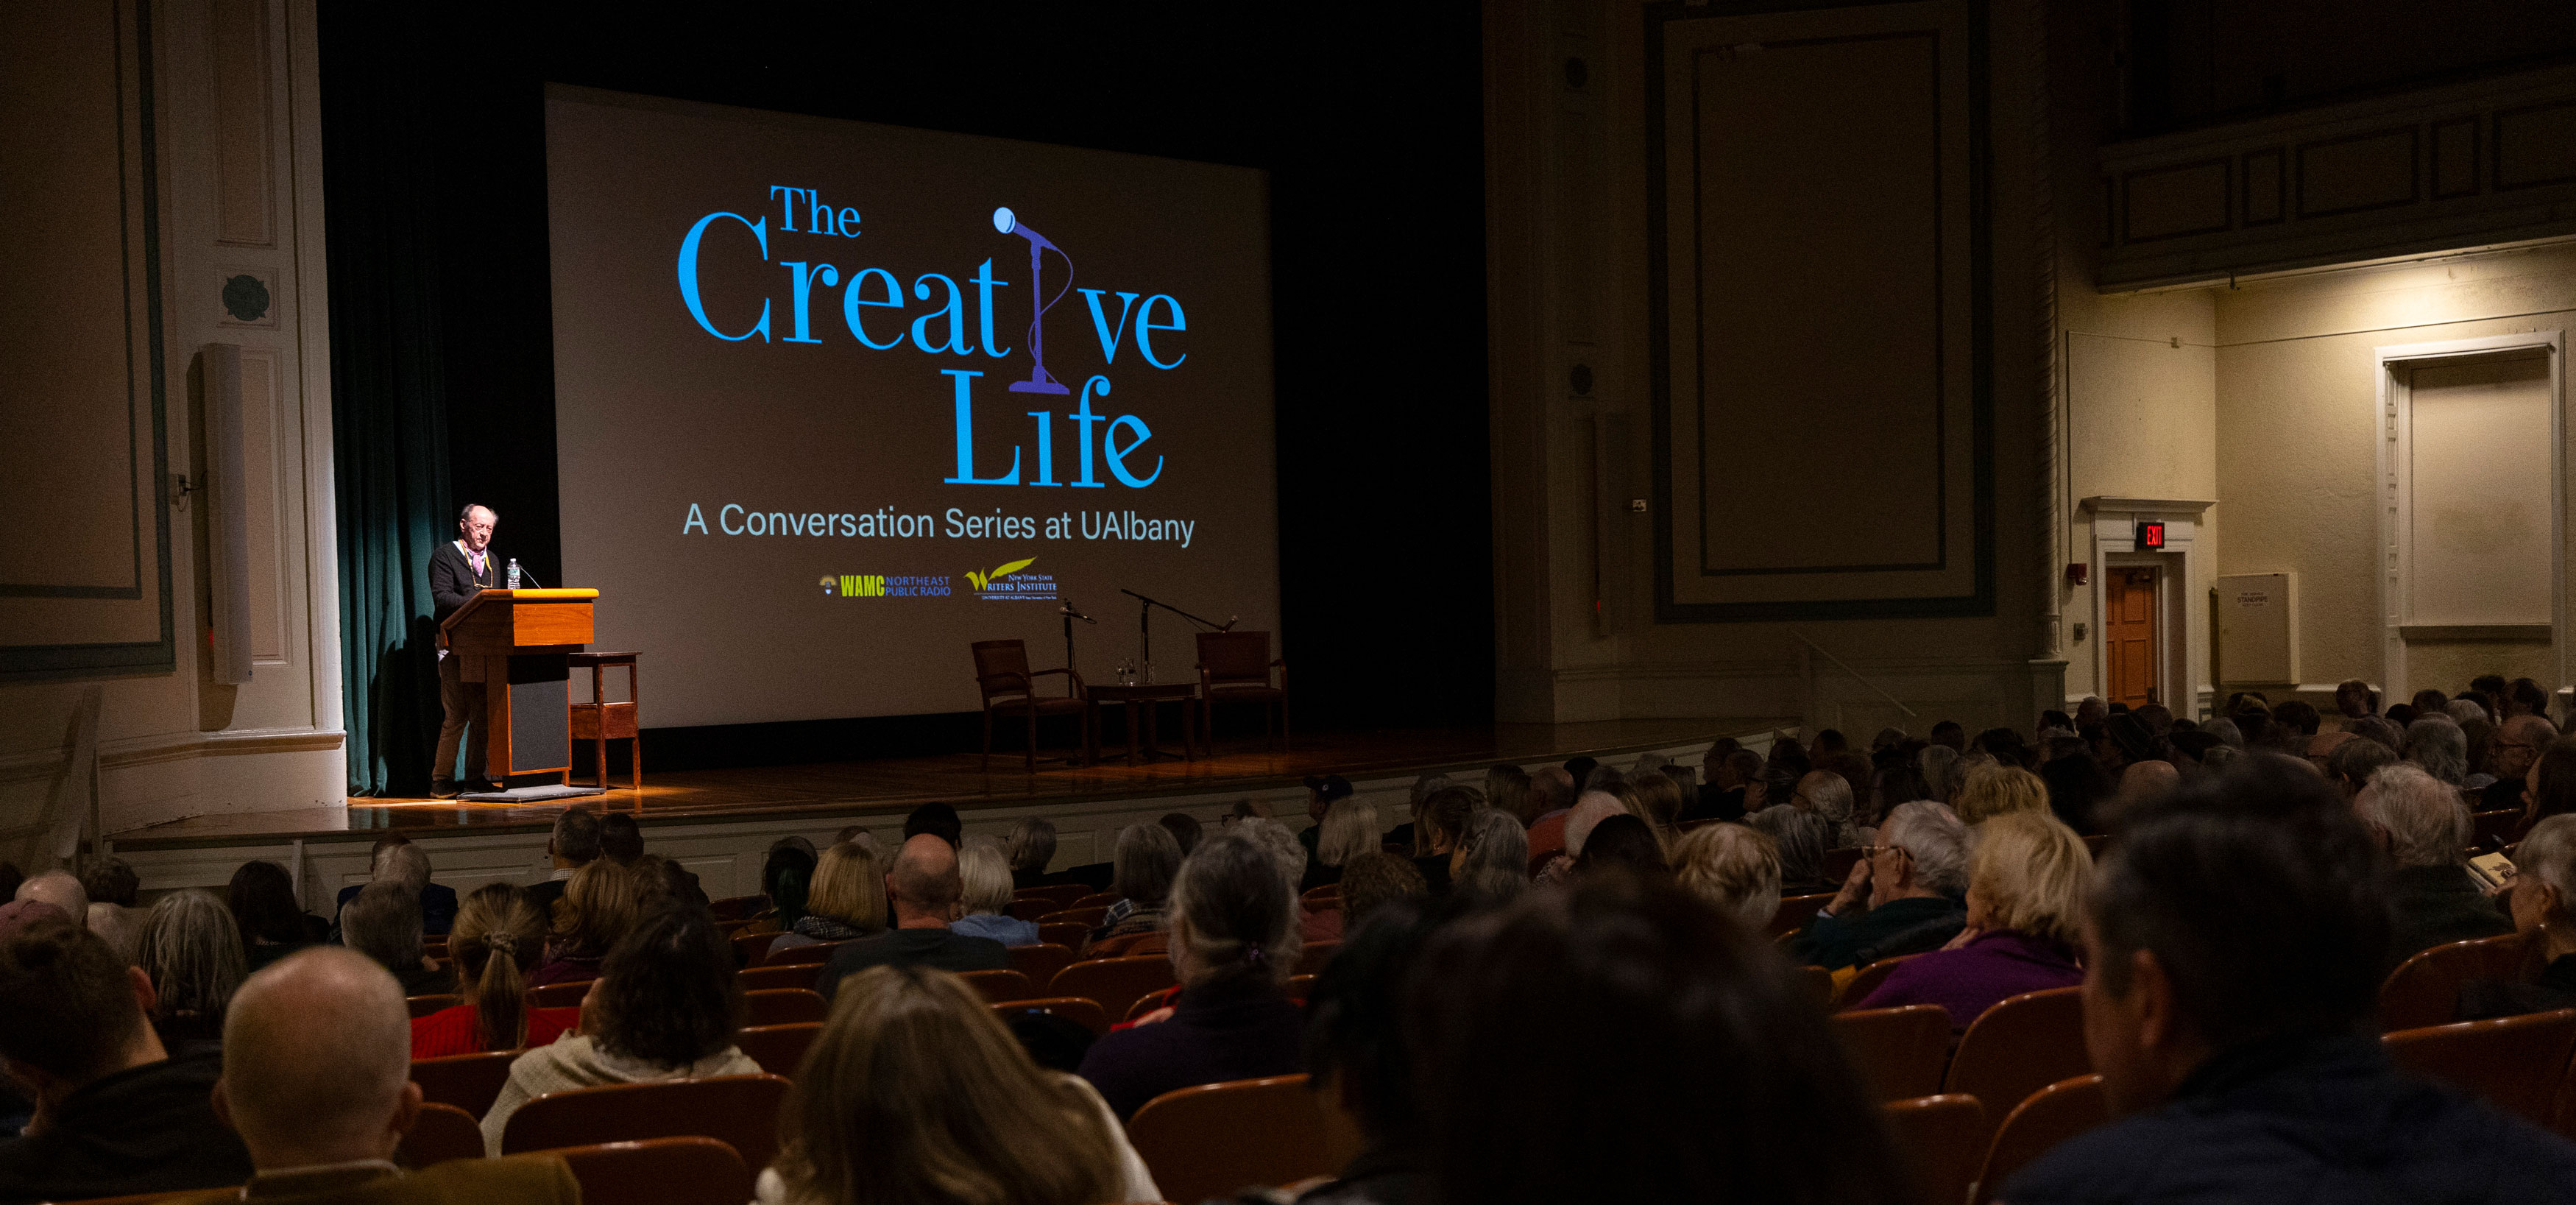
<point x="1097" y="899"/>
<point x="1149" y="1002"/>
<point x="441" y="1132"/>
<point x="1086" y="1013"/>
<point x="737" y="907"/>
<point x="2492" y="827"/>
<point x="1031" y="908"/>
<point x="778" y="1048"/>
<point x="1210" y="1140"/>
<point x="2425" y="989"/>
<point x="2050" y="1116"/>
<point x="749" y="949"/>
<point x="2517" y="1063"/>
<point x="1318" y="897"/>
<point x="1069" y="934"/>
<point x="659" y="1171"/>
<point x="559" y="995"/>
<point x="1900" y="1051"/>
<point x="783" y="1006"/>
<point x="739" y="1109"/>
<point x="422" y="1006"/>
<point x="1040" y="962"/>
<point x="1064" y="894"/>
<point x="1819" y="983"/>
<point x="820" y="951"/>
<point x="1000" y="986"/>
<point x="1132" y="943"/>
<point x="1938" y="1137"/>
<point x="1088" y="918"/>
<point x="1299" y="988"/>
<point x="1115" y="983"/>
<point x="1315" y="955"/>
<point x="1838" y="863"/>
<point x="2020" y="1046"/>
<point x="801" y="975"/>
<point x="1795" y="911"/>
<point x="468" y="1081"/>
<point x="1866" y="980"/>
<point x="2095" y="843"/>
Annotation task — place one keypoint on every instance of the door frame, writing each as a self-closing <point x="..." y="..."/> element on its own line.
<point x="2182" y="631"/>
<point x="2163" y="619"/>
<point x="2393" y="415"/>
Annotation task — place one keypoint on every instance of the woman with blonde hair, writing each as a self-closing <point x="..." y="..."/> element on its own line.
<point x="1349" y="830"/>
<point x="1993" y="789"/>
<point x="1658" y="802"/>
<point x="915" y="1094"/>
<point x="599" y="905"/>
<point x="499" y="933"/>
<point x="987" y="873"/>
<point x="1733" y="867"/>
<point x="847" y="901"/>
<point x="2027" y="883"/>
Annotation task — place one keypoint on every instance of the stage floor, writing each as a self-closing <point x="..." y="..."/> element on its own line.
<point x="874" y="788"/>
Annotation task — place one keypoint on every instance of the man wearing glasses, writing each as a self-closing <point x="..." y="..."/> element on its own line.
<point x="1902" y="897"/>
<point x="2517" y="746"/>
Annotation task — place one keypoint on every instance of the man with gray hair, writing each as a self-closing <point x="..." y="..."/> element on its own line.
<point x="2421" y="822"/>
<point x="395" y="857"/>
<point x="1902" y="897"/>
<point x="2518" y="744"/>
<point x="317" y="1081"/>
<point x="2436" y="743"/>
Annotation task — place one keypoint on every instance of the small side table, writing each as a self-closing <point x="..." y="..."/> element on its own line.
<point x="1145" y="698"/>
<point x="600" y="721"/>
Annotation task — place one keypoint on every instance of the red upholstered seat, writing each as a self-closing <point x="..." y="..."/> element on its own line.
<point x="1210" y="1140"/>
<point x="1900" y="1051"/>
<point x="2047" y="1117"/>
<point x="739" y="1109"/>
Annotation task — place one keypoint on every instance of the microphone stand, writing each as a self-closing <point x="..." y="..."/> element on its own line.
<point x="1064" y="607"/>
<point x="1145" y="629"/>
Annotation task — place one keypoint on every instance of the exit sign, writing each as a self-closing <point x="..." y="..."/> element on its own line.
<point x="2151" y="535"/>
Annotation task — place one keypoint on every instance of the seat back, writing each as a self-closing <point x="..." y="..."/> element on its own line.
<point x="820" y="951"/>
<point x="1795" y="911"/>
<point x="1114" y="983"/>
<point x="1316" y="954"/>
<point x="1064" y="894"/>
<point x="441" y="1132"/>
<point x="1210" y="1140"/>
<point x="2425" y="989"/>
<point x="1095" y="899"/>
<point x="1299" y="988"/>
<point x="1067" y="933"/>
<point x="1128" y="943"/>
<point x="1089" y="918"/>
<point x="468" y="1081"/>
<point x="1866" y="980"/>
<point x="659" y="1171"/>
<point x="1030" y="908"/>
<point x="1819" y="983"/>
<point x="422" y="1006"/>
<point x="1900" y="1051"/>
<point x="2049" y="1116"/>
<point x="1939" y="1138"/>
<point x="783" y="1006"/>
<point x="778" y="1048"/>
<point x="1000" y="986"/>
<point x="737" y="907"/>
<point x="1086" y="1013"/>
<point x="2491" y="827"/>
<point x="1002" y="669"/>
<point x="738" y="1109"/>
<point x="750" y="948"/>
<point x="1040" y="962"/>
<point x="2020" y="1046"/>
<point x="2516" y="1063"/>
<point x="801" y="975"/>
<point x="1319" y="896"/>
<point x="559" y="995"/>
<point x="1235" y="657"/>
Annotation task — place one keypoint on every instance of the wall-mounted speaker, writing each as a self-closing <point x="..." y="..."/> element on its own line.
<point x="228" y="516"/>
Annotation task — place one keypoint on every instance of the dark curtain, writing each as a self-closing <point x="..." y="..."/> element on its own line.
<point x="388" y="393"/>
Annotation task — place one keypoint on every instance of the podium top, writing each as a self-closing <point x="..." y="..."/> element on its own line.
<point x="538" y="595"/>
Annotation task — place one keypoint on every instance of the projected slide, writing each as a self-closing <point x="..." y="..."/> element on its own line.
<point x="835" y="400"/>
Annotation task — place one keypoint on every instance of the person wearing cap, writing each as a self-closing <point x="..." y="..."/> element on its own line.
<point x="1321" y="791"/>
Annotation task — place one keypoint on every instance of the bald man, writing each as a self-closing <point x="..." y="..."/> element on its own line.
<point x="59" y="889"/>
<point x="317" y="1080"/>
<point x="927" y="893"/>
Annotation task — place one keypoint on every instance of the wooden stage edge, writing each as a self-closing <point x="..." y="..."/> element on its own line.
<point x="865" y="789"/>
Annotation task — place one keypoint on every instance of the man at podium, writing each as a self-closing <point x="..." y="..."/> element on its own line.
<point x="459" y="569"/>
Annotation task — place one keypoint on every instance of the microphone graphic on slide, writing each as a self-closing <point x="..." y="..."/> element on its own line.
<point x="1039" y="382"/>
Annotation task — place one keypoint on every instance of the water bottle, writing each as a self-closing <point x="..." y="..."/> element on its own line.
<point x="514" y="573"/>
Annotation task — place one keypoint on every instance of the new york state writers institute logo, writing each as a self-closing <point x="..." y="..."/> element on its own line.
<point x="1009" y="582"/>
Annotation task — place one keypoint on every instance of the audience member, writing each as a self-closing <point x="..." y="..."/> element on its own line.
<point x="2544" y="909"/>
<point x="1234" y="942"/>
<point x="2526" y="697"/>
<point x="1902" y="898"/>
<point x="1491" y="863"/>
<point x="574" y="844"/>
<point x="2237" y="935"/>
<point x="2353" y="762"/>
<point x="2550" y="787"/>
<point x="1801" y="837"/>
<point x="786" y="878"/>
<point x="2227" y="732"/>
<point x="621" y="840"/>
<point x="318" y="1085"/>
<point x="665" y="1007"/>
<point x="191" y="950"/>
<point x="273" y="925"/>
<point x="848" y="901"/>
<point x="2477" y="734"/>
<point x="2354" y="699"/>
<point x="1032" y="847"/>
<point x="2005" y="746"/>
<point x="2517" y="746"/>
<point x="1950" y="735"/>
<point x="2378" y="729"/>
<point x="1659" y="804"/>
<point x="985" y="873"/>
<point x="1313" y="924"/>
<point x="1349" y="829"/>
<point x="499" y="935"/>
<point x="1184" y="828"/>
<point x="1992" y="789"/>
<point x="1374" y="879"/>
<point x="2424" y="828"/>
<point x="2077" y="786"/>
<point x="1855" y="770"/>
<point x="2027" y="883"/>
<point x="1733" y="867"/>
<point x="1703" y="1072"/>
<point x="916" y="1094"/>
<point x="111" y="885"/>
<point x="1147" y="857"/>
<point x="2156" y="718"/>
<point x="1552" y="791"/>
<point x="115" y="1113"/>
<point x="1436" y="828"/>
<point x="1359" y="1063"/>
<point x="1727" y="794"/>
<point x="1829" y="796"/>
<point x="2436" y="743"/>
<point x="661" y="880"/>
<point x="2400" y="715"/>
<point x="1507" y="787"/>
<point x="599" y="904"/>
<point x="937" y="819"/>
<point x="383" y="923"/>
<point x="2142" y="781"/>
<point x="1625" y="843"/>
<point x="927" y="892"/>
<point x="396" y="857"/>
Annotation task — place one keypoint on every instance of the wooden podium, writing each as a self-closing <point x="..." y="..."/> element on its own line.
<point x="518" y="643"/>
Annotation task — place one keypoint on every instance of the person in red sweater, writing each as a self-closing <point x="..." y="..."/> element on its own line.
<point x="499" y="934"/>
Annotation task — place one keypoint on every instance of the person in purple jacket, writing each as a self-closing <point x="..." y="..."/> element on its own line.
<point x="2027" y="884"/>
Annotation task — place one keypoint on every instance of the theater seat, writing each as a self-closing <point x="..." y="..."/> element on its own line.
<point x="1062" y="894"/>
<point x="659" y="1171"/>
<point x="778" y="1048"/>
<point x="1086" y="1013"/>
<point x="440" y="1133"/>
<point x="750" y="948"/>
<point x="1069" y="934"/>
<point x="2425" y="989"/>
<point x="2049" y="1116"/>
<point x="801" y="975"/>
<point x="783" y="1007"/>
<point x="1866" y="980"/>
<point x="1087" y="917"/>
<point x="739" y="1109"/>
<point x="1899" y="1051"/>
<point x="422" y="1006"/>
<point x="2020" y="1046"/>
<point x="559" y="995"/>
<point x="1819" y="983"/>
<point x="1000" y="986"/>
<point x="1794" y="913"/>
<point x="468" y="1081"/>
<point x="1210" y="1140"/>
<point x="1097" y="899"/>
<point x="2516" y="1063"/>
<point x="820" y="951"/>
<point x="1299" y="988"/>
<point x="1317" y="953"/>
<point x="1939" y="1138"/>
<point x="1040" y="962"/>
<point x="1114" y="983"/>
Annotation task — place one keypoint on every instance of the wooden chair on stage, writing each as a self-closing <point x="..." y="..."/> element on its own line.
<point x="1009" y="686"/>
<point x="1234" y="667"/>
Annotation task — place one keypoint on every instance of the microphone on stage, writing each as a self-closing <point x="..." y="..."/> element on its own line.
<point x="1068" y="612"/>
<point x="1230" y="621"/>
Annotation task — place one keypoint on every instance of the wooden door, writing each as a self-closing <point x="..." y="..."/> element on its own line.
<point x="2129" y="636"/>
